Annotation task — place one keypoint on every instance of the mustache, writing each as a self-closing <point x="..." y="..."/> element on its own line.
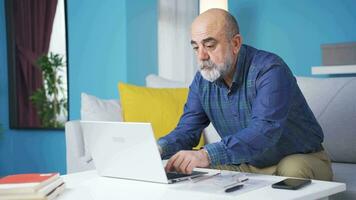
<point x="207" y="64"/>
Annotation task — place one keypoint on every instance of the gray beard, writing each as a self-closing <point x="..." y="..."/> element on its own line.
<point x="211" y="71"/>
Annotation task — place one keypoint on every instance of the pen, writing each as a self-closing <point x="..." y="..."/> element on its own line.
<point x="234" y="188"/>
<point x="233" y="184"/>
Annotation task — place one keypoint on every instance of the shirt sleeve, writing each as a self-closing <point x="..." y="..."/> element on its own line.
<point x="190" y="126"/>
<point x="274" y="90"/>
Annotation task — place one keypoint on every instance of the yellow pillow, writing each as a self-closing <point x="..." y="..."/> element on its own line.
<point x="162" y="107"/>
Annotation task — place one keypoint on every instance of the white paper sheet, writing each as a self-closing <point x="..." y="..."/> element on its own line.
<point x="218" y="183"/>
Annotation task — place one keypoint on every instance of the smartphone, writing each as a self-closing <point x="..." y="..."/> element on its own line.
<point x="291" y="183"/>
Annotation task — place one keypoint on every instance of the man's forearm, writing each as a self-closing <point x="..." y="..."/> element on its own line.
<point x="244" y="145"/>
<point x="166" y="149"/>
<point x="159" y="149"/>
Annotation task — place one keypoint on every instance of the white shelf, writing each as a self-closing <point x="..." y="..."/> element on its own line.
<point x="339" y="69"/>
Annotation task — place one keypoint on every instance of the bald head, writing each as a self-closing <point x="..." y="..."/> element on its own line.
<point x="216" y="42"/>
<point x="218" y="19"/>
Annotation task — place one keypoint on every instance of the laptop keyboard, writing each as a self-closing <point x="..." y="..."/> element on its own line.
<point x="174" y="175"/>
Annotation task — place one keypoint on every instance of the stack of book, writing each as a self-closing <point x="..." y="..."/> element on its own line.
<point x="31" y="186"/>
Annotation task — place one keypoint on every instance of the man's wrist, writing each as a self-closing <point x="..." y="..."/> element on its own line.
<point x="206" y="153"/>
<point x="217" y="153"/>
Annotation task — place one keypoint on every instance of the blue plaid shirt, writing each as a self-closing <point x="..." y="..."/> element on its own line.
<point x="262" y="118"/>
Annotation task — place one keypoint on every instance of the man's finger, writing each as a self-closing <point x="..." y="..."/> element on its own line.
<point x="170" y="162"/>
<point x="184" y="164"/>
<point x="190" y="167"/>
<point x="178" y="162"/>
<point x="186" y="168"/>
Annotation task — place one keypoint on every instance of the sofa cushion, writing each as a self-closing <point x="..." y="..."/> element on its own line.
<point x="96" y="109"/>
<point x="345" y="173"/>
<point x="333" y="102"/>
<point x="155" y="81"/>
<point x="162" y="107"/>
<point x="210" y="134"/>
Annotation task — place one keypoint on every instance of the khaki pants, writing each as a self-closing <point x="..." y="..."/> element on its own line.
<point x="313" y="166"/>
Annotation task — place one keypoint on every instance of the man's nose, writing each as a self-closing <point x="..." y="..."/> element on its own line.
<point x="203" y="54"/>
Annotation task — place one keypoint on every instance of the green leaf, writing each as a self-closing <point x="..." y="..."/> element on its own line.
<point x="46" y="99"/>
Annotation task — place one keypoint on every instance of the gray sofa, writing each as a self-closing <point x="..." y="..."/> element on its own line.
<point x="333" y="101"/>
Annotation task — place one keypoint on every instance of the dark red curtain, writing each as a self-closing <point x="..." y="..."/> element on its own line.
<point x="33" y="22"/>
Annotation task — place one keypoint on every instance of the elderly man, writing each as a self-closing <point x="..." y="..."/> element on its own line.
<point x="252" y="99"/>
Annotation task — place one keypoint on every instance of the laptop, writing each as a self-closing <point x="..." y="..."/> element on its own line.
<point x="128" y="150"/>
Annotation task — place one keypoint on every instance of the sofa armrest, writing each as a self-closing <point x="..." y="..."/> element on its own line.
<point x="211" y="135"/>
<point x="75" y="150"/>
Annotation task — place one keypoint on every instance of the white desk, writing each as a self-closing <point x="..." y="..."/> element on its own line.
<point x="89" y="186"/>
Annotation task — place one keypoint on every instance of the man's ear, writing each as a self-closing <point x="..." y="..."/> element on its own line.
<point x="236" y="43"/>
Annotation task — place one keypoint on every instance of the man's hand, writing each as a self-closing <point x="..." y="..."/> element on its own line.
<point x="186" y="161"/>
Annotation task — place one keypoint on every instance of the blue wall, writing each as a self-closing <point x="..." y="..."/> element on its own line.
<point x="141" y="40"/>
<point x="295" y="29"/>
<point x="97" y="49"/>
<point x="109" y="41"/>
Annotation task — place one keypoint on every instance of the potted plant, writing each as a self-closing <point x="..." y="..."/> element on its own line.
<point x="50" y="100"/>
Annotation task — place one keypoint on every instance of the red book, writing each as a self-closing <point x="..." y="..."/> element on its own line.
<point x="26" y="183"/>
<point x="48" y="192"/>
